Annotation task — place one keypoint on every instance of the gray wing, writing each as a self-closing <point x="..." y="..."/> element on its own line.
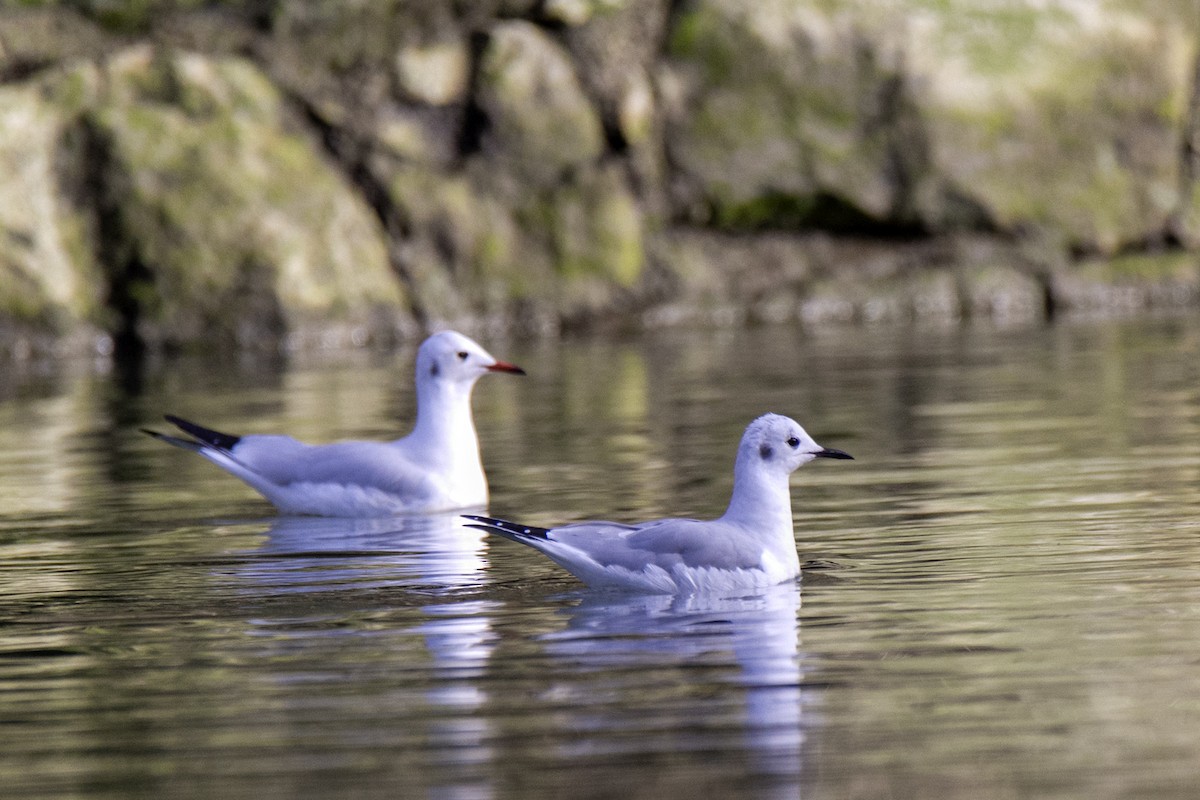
<point x="666" y="543"/>
<point x="284" y="461"/>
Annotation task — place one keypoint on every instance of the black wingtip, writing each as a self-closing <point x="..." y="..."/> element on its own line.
<point x="222" y="441"/>
<point x="510" y="530"/>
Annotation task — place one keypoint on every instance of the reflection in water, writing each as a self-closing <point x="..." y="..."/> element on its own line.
<point x="436" y="552"/>
<point x="417" y="555"/>
<point x="609" y="632"/>
<point x="459" y="637"/>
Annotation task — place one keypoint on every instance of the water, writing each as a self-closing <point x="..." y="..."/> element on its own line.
<point x="1001" y="599"/>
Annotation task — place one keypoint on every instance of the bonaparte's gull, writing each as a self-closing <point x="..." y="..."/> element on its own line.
<point x="435" y="468"/>
<point x="751" y="545"/>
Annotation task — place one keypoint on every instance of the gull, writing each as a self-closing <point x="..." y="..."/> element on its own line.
<point x="435" y="468"/>
<point x="751" y="545"/>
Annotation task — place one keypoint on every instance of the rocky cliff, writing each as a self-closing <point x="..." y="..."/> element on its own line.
<point x="255" y="173"/>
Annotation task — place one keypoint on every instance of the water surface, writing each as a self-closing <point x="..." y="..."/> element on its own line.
<point x="1002" y="593"/>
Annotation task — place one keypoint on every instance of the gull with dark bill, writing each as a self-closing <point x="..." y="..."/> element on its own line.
<point x="751" y="545"/>
<point x="435" y="468"/>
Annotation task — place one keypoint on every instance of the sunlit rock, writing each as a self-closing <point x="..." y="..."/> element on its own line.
<point x="1065" y="117"/>
<point x="540" y="123"/>
<point x="784" y="114"/>
<point x="434" y="73"/>
<point x="218" y="221"/>
<point x="49" y="280"/>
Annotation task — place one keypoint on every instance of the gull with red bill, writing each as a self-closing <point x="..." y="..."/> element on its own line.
<point x="435" y="468"/>
<point x="751" y="546"/>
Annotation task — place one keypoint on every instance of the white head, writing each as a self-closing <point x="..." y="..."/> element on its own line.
<point x="779" y="445"/>
<point x="453" y="359"/>
<point x="772" y="448"/>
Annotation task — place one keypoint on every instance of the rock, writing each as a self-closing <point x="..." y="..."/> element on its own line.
<point x="219" y="223"/>
<point x="32" y="39"/>
<point x="791" y="113"/>
<point x="48" y="278"/>
<point x="483" y="243"/>
<point x="596" y="228"/>
<point x="540" y="123"/>
<point x="617" y="45"/>
<point x="435" y="73"/>
<point x="1067" y="121"/>
<point x="782" y="114"/>
<point x="466" y="250"/>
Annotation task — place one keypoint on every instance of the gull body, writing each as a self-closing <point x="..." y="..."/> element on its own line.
<point x="436" y="467"/>
<point x="751" y="545"/>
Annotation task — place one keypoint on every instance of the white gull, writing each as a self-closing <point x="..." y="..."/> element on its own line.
<point x="751" y="545"/>
<point x="435" y="468"/>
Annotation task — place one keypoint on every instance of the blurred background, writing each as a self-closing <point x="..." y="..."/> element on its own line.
<point x="186" y="173"/>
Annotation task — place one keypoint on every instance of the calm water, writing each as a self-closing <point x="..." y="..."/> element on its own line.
<point x="1001" y="599"/>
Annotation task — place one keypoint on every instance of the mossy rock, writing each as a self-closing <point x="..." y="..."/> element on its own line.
<point x="596" y="228"/>
<point x="47" y="274"/>
<point x="1064" y="120"/>
<point x="786" y="103"/>
<point x="224" y="215"/>
<point x="465" y="248"/>
<point x="487" y="242"/>
<point x="540" y="122"/>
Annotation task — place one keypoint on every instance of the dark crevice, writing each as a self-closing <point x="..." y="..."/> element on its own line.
<point x="1050" y="302"/>
<point x="675" y="10"/>
<point x="260" y="14"/>
<point x="822" y="211"/>
<point x="1154" y="243"/>
<point x="24" y="69"/>
<point x="1189" y="160"/>
<point x="614" y="139"/>
<point x="129" y="278"/>
<point x="474" y="119"/>
<point x="907" y="148"/>
<point x="352" y="153"/>
<point x="539" y="15"/>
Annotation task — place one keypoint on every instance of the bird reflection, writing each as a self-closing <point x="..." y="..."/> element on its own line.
<point x="760" y="630"/>
<point x="460" y="639"/>
<point x="433" y="552"/>
<point x="428" y="556"/>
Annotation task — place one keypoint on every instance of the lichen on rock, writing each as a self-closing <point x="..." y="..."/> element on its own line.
<point x="539" y="122"/>
<point x="225" y="214"/>
<point x="47" y="275"/>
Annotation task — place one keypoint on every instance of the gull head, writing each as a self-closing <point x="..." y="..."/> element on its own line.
<point x="451" y="358"/>
<point x="778" y="444"/>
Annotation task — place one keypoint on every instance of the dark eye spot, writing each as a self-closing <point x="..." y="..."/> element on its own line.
<point x="462" y="355"/>
<point x="433" y="369"/>
<point x="765" y="451"/>
<point x="793" y="442"/>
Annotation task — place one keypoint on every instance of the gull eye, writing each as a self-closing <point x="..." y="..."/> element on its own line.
<point x="793" y="442"/>
<point x="462" y="355"/>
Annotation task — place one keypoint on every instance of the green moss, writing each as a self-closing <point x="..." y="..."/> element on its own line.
<point x="21" y="296"/>
<point x="221" y="197"/>
<point x="596" y="228"/>
<point x="541" y="121"/>
<point x="1145" y="268"/>
<point x="700" y="37"/>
